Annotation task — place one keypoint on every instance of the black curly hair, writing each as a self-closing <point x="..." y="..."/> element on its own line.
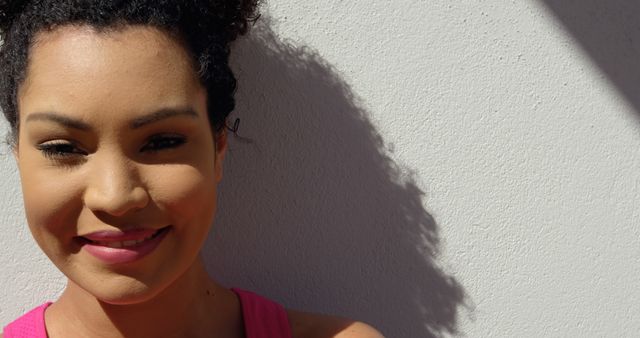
<point x="205" y="27"/>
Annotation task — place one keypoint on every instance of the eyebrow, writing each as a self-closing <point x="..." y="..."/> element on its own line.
<point x="136" y="123"/>
<point x="60" y="119"/>
<point x="162" y="114"/>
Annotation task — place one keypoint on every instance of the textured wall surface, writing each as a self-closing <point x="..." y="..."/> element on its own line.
<point x="434" y="168"/>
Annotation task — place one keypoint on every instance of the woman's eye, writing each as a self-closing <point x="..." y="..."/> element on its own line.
<point x="59" y="150"/>
<point x="158" y="143"/>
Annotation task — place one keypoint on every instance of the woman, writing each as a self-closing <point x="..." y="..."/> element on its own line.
<point x="118" y="112"/>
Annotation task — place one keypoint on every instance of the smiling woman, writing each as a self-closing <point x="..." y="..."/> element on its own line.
<point x="122" y="175"/>
<point x="118" y="111"/>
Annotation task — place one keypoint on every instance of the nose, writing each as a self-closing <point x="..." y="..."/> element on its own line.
<point x="113" y="186"/>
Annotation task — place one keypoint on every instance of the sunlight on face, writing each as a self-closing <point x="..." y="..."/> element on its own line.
<point x="114" y="136"/>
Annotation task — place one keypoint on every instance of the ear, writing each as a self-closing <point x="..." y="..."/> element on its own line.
<point x="221" y="149"/>
<point x="14" y="151"/>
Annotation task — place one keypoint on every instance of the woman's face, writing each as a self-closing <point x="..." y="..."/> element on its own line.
<point x="117" y="159"/>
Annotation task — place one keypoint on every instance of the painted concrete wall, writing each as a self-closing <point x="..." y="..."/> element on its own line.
<point x="434" y="168"/>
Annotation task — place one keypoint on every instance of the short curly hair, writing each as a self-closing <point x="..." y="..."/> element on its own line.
<point x="206" y="29"/>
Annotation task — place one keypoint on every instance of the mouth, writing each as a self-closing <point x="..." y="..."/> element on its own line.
<point x="122" y="240"/>
<point x="122" y="247"/>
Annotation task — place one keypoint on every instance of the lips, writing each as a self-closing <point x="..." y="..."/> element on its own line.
<point x="119" y="239"/>
<point x="114" y="247"/>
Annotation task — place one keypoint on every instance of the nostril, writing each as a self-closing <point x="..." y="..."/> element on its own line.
<point x="116" y="202"/>
<point x="113" y="183"/>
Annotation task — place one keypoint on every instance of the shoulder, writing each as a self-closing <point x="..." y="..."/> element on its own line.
<point x="311" y="325"/>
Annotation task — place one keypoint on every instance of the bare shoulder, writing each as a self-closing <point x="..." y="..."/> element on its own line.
<point x="311" y="325"/>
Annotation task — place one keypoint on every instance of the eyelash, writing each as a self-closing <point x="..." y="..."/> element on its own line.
<point x="169" y="142"/>
<point x="59" y="150"/>
<point x="66" y="150"/>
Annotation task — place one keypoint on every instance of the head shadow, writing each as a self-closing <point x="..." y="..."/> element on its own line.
<point x="313" y="212"/>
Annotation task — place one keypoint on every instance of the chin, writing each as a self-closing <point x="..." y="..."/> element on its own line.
<point x="123" y="291"/>
<point x="116" y="289"/>
<point x="127" y="295"/>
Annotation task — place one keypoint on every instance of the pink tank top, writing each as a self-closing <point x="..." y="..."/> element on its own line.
<point x="262" y="319"/>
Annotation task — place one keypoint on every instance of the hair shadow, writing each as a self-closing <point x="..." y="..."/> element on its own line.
<point x="313" y="212"/>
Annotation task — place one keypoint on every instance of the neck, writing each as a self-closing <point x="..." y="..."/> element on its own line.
<point x="194" y="306"/>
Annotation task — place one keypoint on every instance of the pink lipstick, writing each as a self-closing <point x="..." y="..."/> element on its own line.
<point x="115" y="247"/>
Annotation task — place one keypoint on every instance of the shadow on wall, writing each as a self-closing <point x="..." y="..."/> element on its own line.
<point x="312" y="210"/>
<point x="609" y="31"/>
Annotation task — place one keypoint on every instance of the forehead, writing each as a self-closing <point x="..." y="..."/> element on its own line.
<point x="79" y="68"/>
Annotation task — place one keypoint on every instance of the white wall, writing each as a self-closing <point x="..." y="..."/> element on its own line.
<point x="434" y="168"/>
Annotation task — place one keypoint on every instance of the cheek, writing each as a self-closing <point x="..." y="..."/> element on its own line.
<point x="187" y="193"/>
<point x="52" y="201"/>
<point x="51" y="207"/>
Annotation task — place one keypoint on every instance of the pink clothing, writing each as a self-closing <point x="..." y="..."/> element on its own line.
<point x="30" y="325"/>
<point x="262" y="319"/>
